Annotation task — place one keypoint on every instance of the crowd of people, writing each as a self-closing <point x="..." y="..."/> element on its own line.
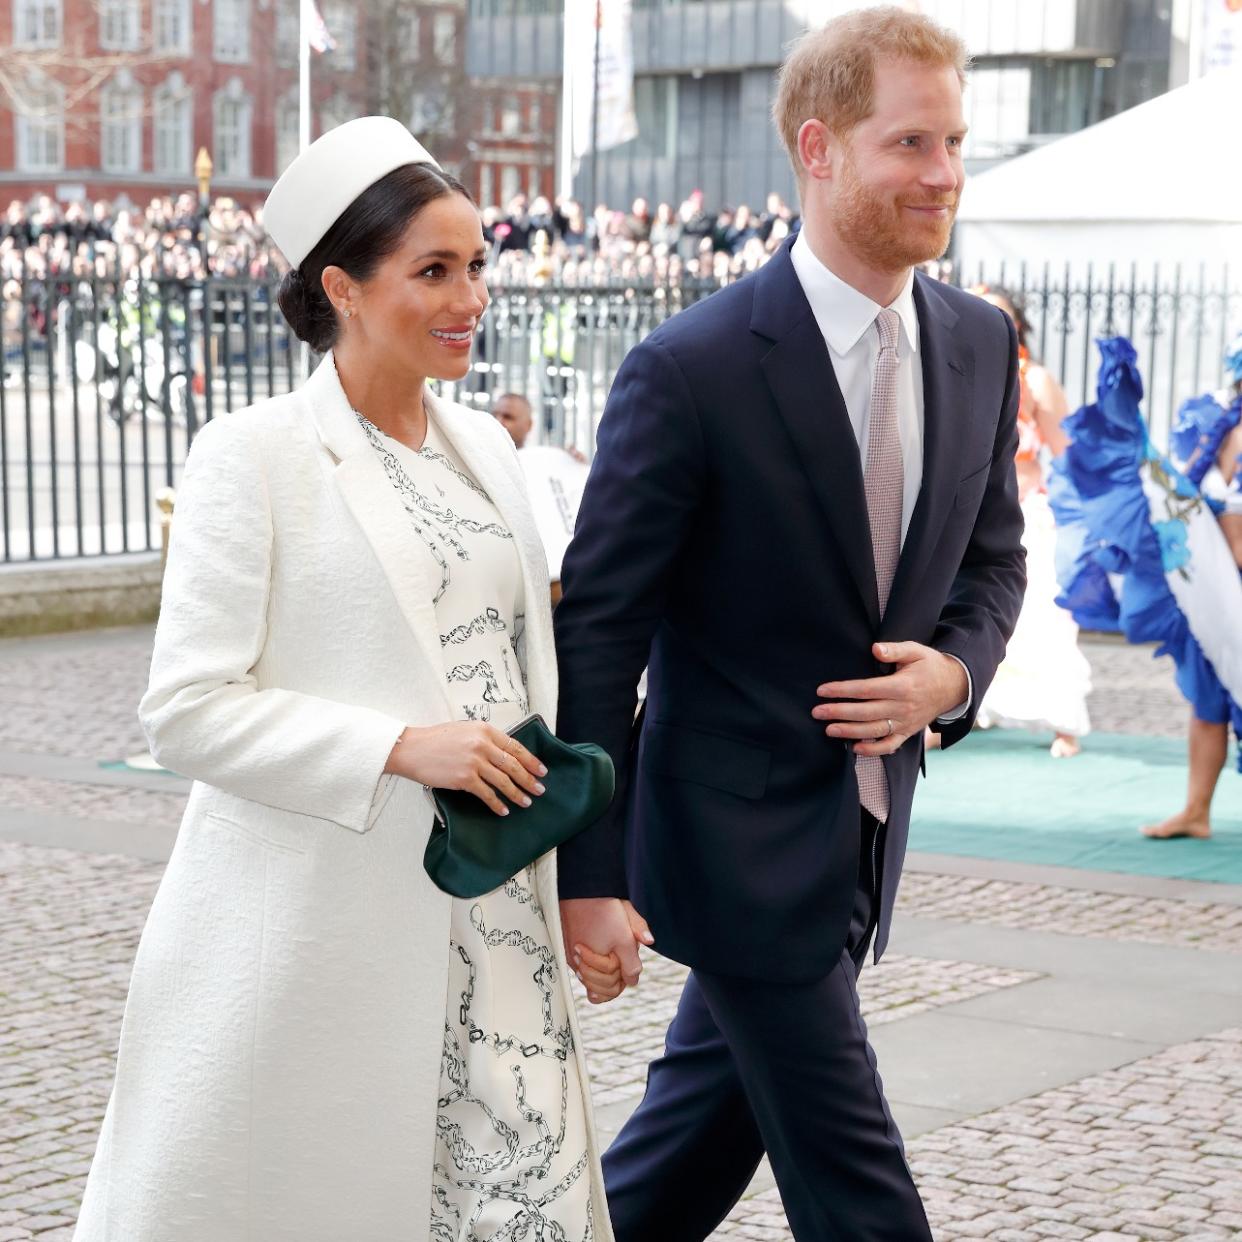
<point x="532" y="240"/>
<point x="538" y="239"/>
<point x="46" y="239"/>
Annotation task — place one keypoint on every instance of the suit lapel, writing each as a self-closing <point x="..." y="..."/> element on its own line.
<point x="375" y="505"/>
<point x="948" y="376"/>
<point x="799" y="373"/>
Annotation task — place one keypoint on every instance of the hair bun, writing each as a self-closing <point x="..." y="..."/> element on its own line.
<point x="307" y="309"/>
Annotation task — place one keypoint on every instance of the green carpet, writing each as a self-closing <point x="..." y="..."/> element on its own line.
<point x="998" y="794"/>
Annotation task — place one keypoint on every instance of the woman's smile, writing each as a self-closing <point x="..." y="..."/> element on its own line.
<point x="456" y="337"/>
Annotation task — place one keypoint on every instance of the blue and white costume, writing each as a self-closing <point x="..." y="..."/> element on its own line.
<point x="1153" y="537"/>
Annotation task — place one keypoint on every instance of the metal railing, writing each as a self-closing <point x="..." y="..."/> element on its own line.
<point x="105" y="382"/>
<point x="1178" y="318"/>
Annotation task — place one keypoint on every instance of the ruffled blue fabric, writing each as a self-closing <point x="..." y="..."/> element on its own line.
<point x="1108" y="445"/>
<point x="1199" y="430"/>
<point x="1086" y="591"/>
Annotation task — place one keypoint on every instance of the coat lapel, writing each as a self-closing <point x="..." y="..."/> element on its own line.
<point x="948" y="376"/>
<point x="799" y="373"/>
<point x="376" y="507"/>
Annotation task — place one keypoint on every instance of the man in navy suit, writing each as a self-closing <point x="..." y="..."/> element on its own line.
<point x="803" y="517"/>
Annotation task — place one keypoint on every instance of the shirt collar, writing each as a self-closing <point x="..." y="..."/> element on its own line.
<point x="841" y="311"/>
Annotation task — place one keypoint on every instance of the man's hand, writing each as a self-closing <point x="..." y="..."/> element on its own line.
<point x="602" y="935"/>
<point x="880" y="713"/>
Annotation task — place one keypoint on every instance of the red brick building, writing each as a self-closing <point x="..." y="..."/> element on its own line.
<point x="514" y="142"/>
<point x="116" y="97"/>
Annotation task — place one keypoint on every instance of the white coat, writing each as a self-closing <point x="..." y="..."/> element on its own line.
<point x="279" y="1061"/>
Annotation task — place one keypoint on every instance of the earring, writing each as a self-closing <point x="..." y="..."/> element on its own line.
<point x="348" y="313"/>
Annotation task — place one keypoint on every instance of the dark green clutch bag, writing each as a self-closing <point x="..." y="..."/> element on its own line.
<point x="473" y="850"/>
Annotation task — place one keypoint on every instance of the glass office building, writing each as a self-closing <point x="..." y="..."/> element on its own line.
<point x="705" y="73"/>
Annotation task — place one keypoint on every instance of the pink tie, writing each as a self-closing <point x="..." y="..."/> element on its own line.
<point x="884" y="482"/>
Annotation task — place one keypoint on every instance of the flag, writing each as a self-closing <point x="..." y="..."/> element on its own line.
<point x="605" y="24"/>
<point x="318" y="35"/>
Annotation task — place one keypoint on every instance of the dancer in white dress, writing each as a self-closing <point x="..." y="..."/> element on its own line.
<point x="511" y="1151"/>
<point x="1044" y="680"/>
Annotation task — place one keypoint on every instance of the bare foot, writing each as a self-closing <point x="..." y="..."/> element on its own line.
<point x="1179" y="825"/>
<point x="1064" y="746"/>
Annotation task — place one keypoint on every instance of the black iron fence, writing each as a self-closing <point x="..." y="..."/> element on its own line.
<point x="105" y="382"/>
<point x="1179" y="319"/>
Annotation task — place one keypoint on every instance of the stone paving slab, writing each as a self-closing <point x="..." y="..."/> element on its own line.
<point x="1151" y="1151"/>
<point x="136" y="771"/>
<point x="109" y="803"/>
<point x="624" y="1036"/>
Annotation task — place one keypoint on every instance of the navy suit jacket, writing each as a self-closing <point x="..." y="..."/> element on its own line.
<point x="723" y="541"/>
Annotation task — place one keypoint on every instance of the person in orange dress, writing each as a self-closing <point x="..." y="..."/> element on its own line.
<point x="1045" y="679"/>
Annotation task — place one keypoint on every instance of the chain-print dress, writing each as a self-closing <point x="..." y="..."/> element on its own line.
<point x="511" y="1147"/>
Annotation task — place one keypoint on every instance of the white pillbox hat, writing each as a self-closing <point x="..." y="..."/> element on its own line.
<point x="315" y="189"/>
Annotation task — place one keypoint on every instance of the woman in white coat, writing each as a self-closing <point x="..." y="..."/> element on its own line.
<point x="319" y="1044"/>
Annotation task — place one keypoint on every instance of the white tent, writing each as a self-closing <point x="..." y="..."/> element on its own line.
<point x="1160" y="183"/>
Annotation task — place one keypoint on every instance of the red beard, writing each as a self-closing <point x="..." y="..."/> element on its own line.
<point x="881" y="233"/>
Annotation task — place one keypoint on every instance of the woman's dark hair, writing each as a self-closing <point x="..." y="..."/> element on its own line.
<point x="1018" y="306"/>
<point x="363" y="236"/>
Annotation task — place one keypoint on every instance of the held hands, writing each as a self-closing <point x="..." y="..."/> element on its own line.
<point x="480" y="759"/>
<point x="878" y="714"/>
<point x="469" y="755"/>
<point x="602" y="935"/>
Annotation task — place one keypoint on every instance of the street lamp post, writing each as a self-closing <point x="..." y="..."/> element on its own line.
<point x="202" y="172"/>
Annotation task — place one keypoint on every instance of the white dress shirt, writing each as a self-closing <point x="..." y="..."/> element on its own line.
<point x="846" y="319"/>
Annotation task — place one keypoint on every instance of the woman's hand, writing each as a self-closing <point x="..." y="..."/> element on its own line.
<point x="469" y="755"/>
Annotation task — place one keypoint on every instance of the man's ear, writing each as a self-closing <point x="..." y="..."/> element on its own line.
<point x="816" y="147"/>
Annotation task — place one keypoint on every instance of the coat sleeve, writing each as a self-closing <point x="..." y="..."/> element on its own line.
<point x="204" y="714"/>
<point x="636" y="513"/>
<point x="983" y="605"/>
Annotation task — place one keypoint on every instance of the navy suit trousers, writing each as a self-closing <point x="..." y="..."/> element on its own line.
<point x="749" y="1067"/>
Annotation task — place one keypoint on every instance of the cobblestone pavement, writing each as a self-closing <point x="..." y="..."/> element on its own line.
<point x="1151" y="1151"/>
<point x="71" y="924"/>
<point x="1156" y="1145"/>
<point x="71" y="929"/>
<point x="1074" y="912"/>
<point x="1134" y="691"/>
<point x="104" y="684"/>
